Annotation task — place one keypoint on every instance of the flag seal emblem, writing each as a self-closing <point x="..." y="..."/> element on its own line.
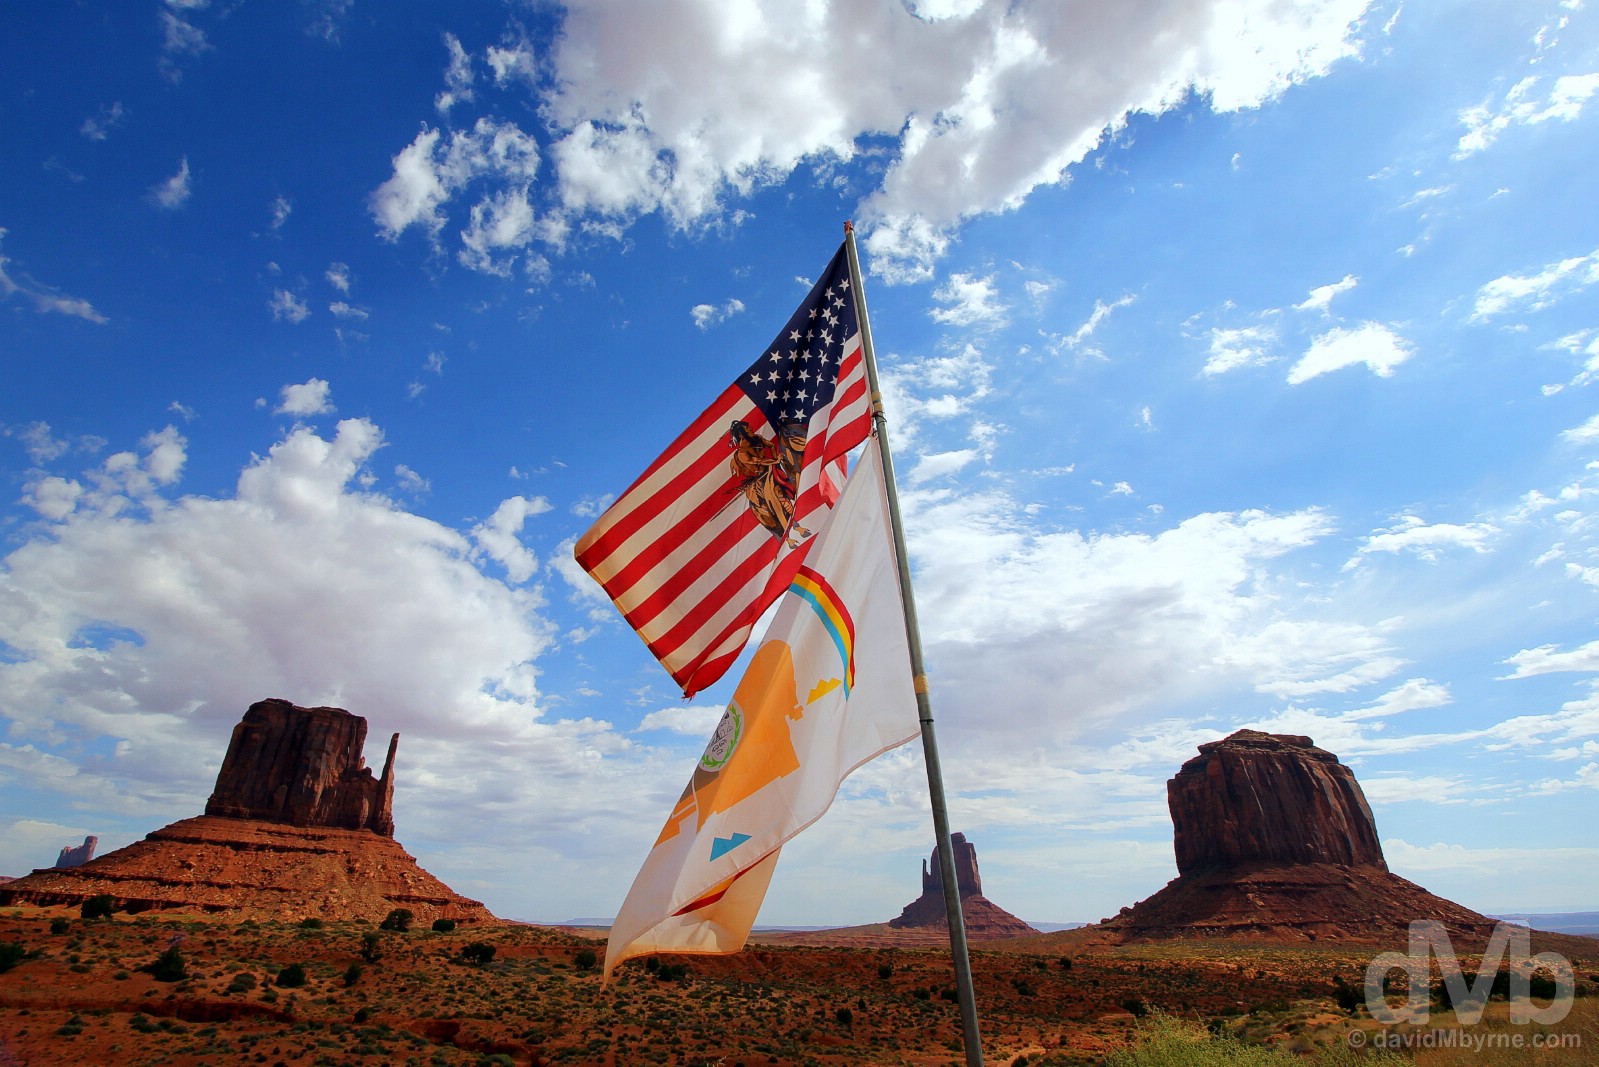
<point x="724" y="740"/>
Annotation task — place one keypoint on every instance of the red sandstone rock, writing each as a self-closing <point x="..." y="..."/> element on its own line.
<point x="1269" y="798"/>
<point x="982" y="918"/>
<point x="303" y="767"/>
<point x="77" y="855"/>
<point x="1275" y="842"/>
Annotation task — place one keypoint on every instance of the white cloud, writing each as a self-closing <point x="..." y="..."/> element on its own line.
<point x="457" y="76"/>
<point x="338" y="276"/>
<point x="1248" y="346"/>
<point x="1078" y="339"/>
<point x="179" y="38"/>
<point x="348" y="311"/>
<point x="1414" y="695"/>
<point x="1534" y="292"/>
<point x="1410" y="533"/>
<point x="1321" y="297"/>
<point x="941" y="465"/>
<point x="1523" y="107"/>
<point x="1588" y="431"/>
<point x="513" y="62"/>
<point x="973" y="301"/>
<point x="1372" y="344"/>
<point x="1547" y="659"/>
<point x="307" y="398"/>
<point x="426" y="176"/>
<point x="690" y="720"/>
<point x="155" y="631"/>
<point x="680" y="106"/>
<point x="497" y="538"/>
<point x="174" y="192"/>
<point x="45" y="299"/>
<point x="281" y="210"/>
<point x="707" y="315"/>
<point x="285" y="305"/>
<point x="411" y="481"/>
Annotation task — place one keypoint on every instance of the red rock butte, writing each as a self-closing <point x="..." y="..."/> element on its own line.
<point x="1275" y="841"/>
<point x="983" y="919"/>
<point x="296" y="827"/>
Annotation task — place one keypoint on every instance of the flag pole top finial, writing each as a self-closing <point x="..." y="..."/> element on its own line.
<point x="849" y="227"/>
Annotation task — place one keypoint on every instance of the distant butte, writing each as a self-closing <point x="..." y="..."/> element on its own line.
<point x="77" y="855"/>
<point x="1275" y="841"/>
<point x="297" y="826"/>
<point x="983" y="919"/>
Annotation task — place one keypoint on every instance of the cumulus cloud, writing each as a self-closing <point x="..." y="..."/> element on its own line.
<point x="689" y="720"/>
<point x="1247" y="346"/>
<point x="457" y="76"/>
<point x="284" y="305"/>
<point x="97" y="127"/>
<point x="338" y="276"/>
<point x="972" y="301"/>
<point x="497" y="538"/>
<point x="1373" y="344"/>
<point x="707" y="315"/>
<point x="1523" y="105"/>
<point x="1548" y="659"/>
<point x="155" y="629"/>
<point x="679" y="107"/>
<point x="174" y="192"/>
<point x="310" y="397"/>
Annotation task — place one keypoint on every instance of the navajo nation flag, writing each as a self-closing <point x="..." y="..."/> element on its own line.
<point x="828" y="689"/>
<point x="716" y="528"/>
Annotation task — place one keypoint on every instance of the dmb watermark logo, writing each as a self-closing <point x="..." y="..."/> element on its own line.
<point x="1509" y="949"/>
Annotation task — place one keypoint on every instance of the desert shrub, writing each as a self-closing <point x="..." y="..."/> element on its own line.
<point x="671" y="972"/>
<point x="11" y="954"/>
<point x="477" y="952"/>
<point x="72" y="1027"/>
<point x="1135" y="1006"/>
<point x="885" y="970"/>
<point x="585" y="959"/>
<point x="371" y="946"/>
<point x="98" y="907"/>
<point x="352" y="974"/>
<point x="168" y="967"/>
<point x="443" y="926"/>
<point x="652" y="963"/>
<point x="497" y="1059"/>
<point x="242" y="982"/>
<point x="1024" y="987"/>
<point x="1348" y="997"/>
<point x="844" y="1016"/>
<point x="291" y="976"/>
<point x="60" y="926"/>
<point x="1065" y="963"/>
<point x="398" y="920"/>
<point x="1163" y="1041"/>
<point x="310" y="924"/>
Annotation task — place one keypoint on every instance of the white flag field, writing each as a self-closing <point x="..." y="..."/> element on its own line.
<point x="828" y="689"/>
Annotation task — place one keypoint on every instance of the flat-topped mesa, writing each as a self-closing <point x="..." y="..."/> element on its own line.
<point x="303" y="767"/>
<point x="1255" y="797"/>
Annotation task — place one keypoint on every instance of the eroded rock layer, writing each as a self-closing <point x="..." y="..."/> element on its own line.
<point x="255" y="868"/>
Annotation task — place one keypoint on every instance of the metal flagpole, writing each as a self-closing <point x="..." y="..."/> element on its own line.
<point x="935" y="774"/>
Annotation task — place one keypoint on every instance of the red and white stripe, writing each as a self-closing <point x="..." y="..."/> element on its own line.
<point x="682" y="555"/>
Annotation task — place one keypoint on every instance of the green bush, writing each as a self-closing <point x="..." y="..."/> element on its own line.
<point x="352" y="974"/>
<point x="585" y="959"/>
<point x="311" y="924"/>
<point x="443" y="926"/>
<point x="11" y="954"/>
<point x="477" y="952"/>
<point x="844" y="1016"/>
<point x="371" y="946"/>
<point x="885" y="970"/>
<point x="168" y="967"/>
<point x="242" y="982"/>
<point x="398" y="920"/>
<point x="291" y="977"/>
<point x="98" y="907"/>
<point x="1163" y="1041"/>
<point x="60" y="926"/>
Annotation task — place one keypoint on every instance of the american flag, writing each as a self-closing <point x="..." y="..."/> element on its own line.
<point x="715" y="529"/>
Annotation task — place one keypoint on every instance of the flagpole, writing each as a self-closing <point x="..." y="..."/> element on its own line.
<point x="913" y="635"/>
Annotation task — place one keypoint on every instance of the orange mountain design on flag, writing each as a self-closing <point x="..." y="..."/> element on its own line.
<point x="752" y="746"/>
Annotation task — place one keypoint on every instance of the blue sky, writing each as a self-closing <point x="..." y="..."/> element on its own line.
<point x="1240" y="363"/>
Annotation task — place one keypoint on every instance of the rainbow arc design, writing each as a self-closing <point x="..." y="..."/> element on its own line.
<point x="829" y="607"/>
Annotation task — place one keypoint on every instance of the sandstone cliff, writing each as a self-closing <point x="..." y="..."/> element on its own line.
<point x="303" y="767"/>
<point x="77" y="855"/>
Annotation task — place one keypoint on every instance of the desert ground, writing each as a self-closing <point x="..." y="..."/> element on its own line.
<point x="188" y="989"/>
